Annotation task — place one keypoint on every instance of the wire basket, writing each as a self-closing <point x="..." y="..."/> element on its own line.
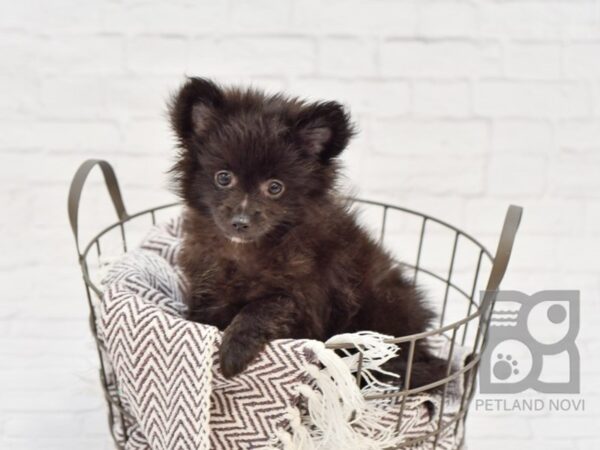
<point x="463" y="278"/>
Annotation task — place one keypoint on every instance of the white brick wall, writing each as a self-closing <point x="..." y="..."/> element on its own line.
<point x="464" y="106"/>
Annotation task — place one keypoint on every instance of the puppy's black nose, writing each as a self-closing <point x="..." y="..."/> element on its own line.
<point x="241" y="222"/>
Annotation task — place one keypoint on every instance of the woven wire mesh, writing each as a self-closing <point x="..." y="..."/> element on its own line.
<point x="447" y="263"/>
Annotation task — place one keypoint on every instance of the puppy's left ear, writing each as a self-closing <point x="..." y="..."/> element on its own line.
<point x="324" y="129"/>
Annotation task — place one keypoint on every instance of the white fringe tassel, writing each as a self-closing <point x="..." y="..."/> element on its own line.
<point x="338" y="415"/>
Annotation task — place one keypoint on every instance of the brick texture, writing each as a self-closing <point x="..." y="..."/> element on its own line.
<point x="463" y="107"/>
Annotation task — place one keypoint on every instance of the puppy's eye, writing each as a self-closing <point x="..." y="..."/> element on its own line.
<point x="275" y="188"/>
<point x="224" y="178"/>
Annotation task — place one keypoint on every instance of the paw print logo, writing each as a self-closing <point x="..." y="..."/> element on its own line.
<point x="526" y="334"/>
<point x="505" y="367"/>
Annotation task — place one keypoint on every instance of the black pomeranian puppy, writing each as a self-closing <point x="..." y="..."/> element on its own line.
<point x="269" y="249"/>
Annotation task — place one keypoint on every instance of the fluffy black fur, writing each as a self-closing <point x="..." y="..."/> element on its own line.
<point x="270" y="250"/>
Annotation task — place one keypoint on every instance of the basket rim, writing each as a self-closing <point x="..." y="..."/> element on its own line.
<point x="414" y="212"/>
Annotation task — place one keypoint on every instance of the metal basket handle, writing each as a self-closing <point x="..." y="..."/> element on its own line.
<point x="503" y="252"/>
<point x="77" y="186"/>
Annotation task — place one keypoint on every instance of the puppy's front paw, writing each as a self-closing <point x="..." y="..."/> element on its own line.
<point x="236" y="354"/>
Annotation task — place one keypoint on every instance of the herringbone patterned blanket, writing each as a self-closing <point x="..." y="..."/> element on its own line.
<point x="297" y="395"/>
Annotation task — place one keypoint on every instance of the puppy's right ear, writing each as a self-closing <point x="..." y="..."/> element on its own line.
<point x="194" y="108"/>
